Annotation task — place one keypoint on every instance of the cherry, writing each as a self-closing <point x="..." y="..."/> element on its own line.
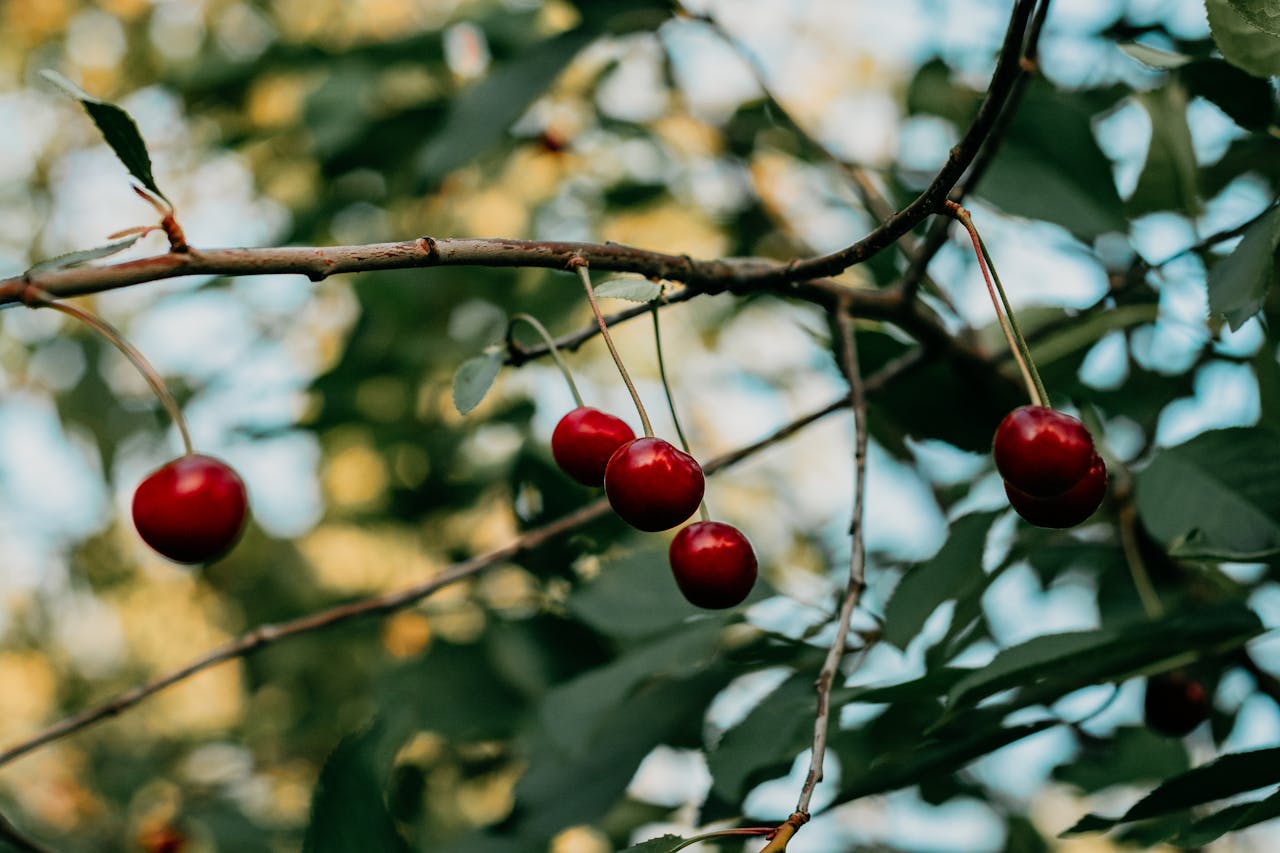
<point x="652" y="485"/>
<point x="584" y="440"/>
<point x="1067" y="509"/>
<point x="1175" y="704"/>
<point x="163" y="839"/>
<point x="1042" y="452"/>
<point x="190" y="510"/>
<point x="713" y="564"/>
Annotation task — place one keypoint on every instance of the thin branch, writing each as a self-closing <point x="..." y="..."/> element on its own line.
<point x="378" y="605"/>
<point x="857" y="561"/>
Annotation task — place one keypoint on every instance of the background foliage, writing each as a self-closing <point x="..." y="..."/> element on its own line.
<point x="571" y="700"/>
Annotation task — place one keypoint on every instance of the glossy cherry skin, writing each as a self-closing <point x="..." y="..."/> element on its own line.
<point x="653" y="485"/>
<point x="584" y="440"/>
<point x="1175" y="704"/>
<point x="190" y="510"/>
<point x="1068" y="509"/>
<point x="713" y="564"/>
<point x="1042" y="452"/>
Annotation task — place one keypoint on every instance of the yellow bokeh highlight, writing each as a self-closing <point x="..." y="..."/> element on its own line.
<point x="276" y="100"/>
<point x="670" y="228"/>
<point x="355" y="477"/>
<point x="406" y="634"/>
<point x="351" y="559"/>
<point x="31" y="23"/>
<point x="580" y="839"/>
<point x="28" y="690"/>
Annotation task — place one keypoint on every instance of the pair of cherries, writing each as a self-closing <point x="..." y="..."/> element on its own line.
<point x="653" y="485"/>
<point x="1052" y="472"/>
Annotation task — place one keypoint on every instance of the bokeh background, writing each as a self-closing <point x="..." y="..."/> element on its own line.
<point x="348" y="121"/>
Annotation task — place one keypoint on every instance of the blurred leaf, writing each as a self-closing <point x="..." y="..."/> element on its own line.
<point x="1054" y="664"/>
<point x="75" y="259"/>
<point x="474" y="378"/>
<point x="661" y="844"/>
<point x="480" y="115"/>
<point x="1241" y="41"/>
<point x="1219" y="492"/>
<point x="934" y="90"/>
<point x="631" y="289"/>
<point x="118" y="129"/>
<point x="1051" y="147"/>
<point x="1154" y="57"/>
<point x="1248" y="100"/>
<point x="1226" y="776"/>
<point x="925" y="586"/>
<point x="1267" y="369"/>
<point x="766" y="741"/>
<point x="1263" y="14"/>
<point x="1133" y="754"/>
<point x="348" y="813"/>
<point x="1230" y="819"/>
<point x="1168" y="178"/>
<point x="1238" y="284"/>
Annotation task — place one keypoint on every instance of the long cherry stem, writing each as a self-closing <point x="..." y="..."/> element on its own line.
<point x="1004" y="313"/>
<point x="580" y="266"/>
<point x="703" y="512"/>
<point x="39" y="299"/>
<point x="553" y="349"/>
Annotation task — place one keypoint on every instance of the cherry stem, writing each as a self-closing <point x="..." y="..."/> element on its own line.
<point x="552" y="348"/>
<point x="703" y="512"/>
<point x="39" y="299"/>
<point x="723" y="833"/>
<point x="1008" y="323"/>
<point x="580" y="265"/>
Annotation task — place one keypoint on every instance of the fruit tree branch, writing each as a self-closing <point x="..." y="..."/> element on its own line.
<point x="378" y="605"/>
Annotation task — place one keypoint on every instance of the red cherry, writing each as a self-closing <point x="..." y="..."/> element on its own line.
<point x="1175" y="704"/>
<point x="584" y="440"/>
<point x="653" y="485"/>
<point x="163" y="839"/>
<point x="1042" y="452"/>
<point x="1068" y="509"/>
<point x="190" y="510"/>
<point x="713" y="564"/>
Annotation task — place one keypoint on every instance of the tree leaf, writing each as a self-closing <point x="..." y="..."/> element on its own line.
<point x="1238" y="283"/>
<point x="1241" y="41"/>
<point x="1230" y="819"/>
<point x="348" y="813"/>
<point x="1133" y="754"/>
<point x="1263" y="14"/>
<point x="118" y="129"/>
<point x="925" y="586"/>
<point x="1219" y="492"/>
<point x="474" y="379"/>
<point x="1154" y="57"/>
<point x="631" y="289"/>
<point x="1248" y="100"/>
<point x="1168" y="178"/>
<point x="766" y="741"/>
<point x="1227" y="776"/>
<point x="83" y="256"/>
<point x="661" y="844"/>
<point x="1051" y="147"/>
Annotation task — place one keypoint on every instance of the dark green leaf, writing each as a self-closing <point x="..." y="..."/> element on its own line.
<point x="1241" y="41"/>
<point x="631" y="289"/>
<point x="348" y="813"/>
<point x="925" y="586"/>
<point x="1051" y="147"/>
<point x="766" y="741"/>
<point x="75" y="259"/>
<point x="1238" y="284"/>
<point x="118" y="130"/>
<point x="1230" y="819"/>
<point x="1263" y="14"/>
<point x="1132" y="755"/>
<point x="662" y="844"/>
<point x="1227" y="776"/>
<point x="1219" y="493"/>
<point x="1168" y="179"/>
<point x="1247" y="99"/>
<point x="474" y="378"/>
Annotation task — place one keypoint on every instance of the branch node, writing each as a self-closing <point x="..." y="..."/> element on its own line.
<point x="429" y="248"/>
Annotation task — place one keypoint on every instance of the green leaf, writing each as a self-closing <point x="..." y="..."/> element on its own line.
<point x="661" y="844"/>
<point x="1246" y="99"/>
<point x="1054" y="664"/>
<point x="348" y="813"/>
<point x="118" y="129"/>
<point x="1168" y="179"/>
<point x="83" y="256"/>
<point x="925" y="586"/>
<point x="1230" y="819"/>
<point x="480" y="116"/>
<point x="1219" y="492"/>
<point x="1238" y="284"/>
<point x="631" y="289"/>
<point x="1133" y="754"/>
<point x="1241" y="41"/>
<point x="1263" y="14"/>
<point x="1051" y="147"/>
<point x="1154" y="57"/>
<point x="1227" y="776"/>
<point x="474" y="379"/>
<point x="766" y="741"/>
